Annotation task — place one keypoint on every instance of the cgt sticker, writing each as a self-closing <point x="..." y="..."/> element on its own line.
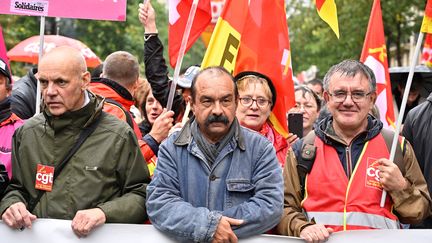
<point x="44" y="177"/>
<point x="372" y="174"/>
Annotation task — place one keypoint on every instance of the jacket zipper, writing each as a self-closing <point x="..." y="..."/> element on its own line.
<point x="348" y="161"/>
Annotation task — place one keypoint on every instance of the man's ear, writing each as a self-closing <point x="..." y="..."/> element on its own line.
<point x="86" y="78"/>
<point x="373" y="96"/>
<point x="326" y="96"/>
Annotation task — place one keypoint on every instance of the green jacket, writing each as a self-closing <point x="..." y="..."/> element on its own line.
<point x="108" y="170"/>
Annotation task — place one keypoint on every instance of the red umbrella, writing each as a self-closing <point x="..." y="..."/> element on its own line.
<point x="28" y="50"/>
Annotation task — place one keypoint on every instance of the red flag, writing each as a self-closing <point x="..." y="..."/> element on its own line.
<point x="265" y="48"/>
<point x="225" y="41"/>
<point x="427" y="19"/>
<point x="427" y="51"/>
<point x="374" y="55"/>
<point x="178" y="16"/>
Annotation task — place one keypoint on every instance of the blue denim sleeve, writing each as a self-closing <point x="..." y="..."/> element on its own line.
<point x="167" y="210"/>
<point x="152" y="143"/>
<point x="264" y="210"/>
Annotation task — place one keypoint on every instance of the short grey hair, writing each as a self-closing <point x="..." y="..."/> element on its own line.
<point x="122" y="67"/>
<point x="350" y="68"/>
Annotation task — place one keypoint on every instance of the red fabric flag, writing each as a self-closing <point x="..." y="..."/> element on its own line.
<point x="427" y="19"/>
<point x="178" y="16"/>
<point x="225" y="41"/>
<point x="427" y="51"/>
<point x="265" y="48"/>
<point x="374" y="55"/>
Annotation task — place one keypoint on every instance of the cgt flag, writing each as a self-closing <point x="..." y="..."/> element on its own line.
<point x="225" y="41"/>
<point x="178" y="17"/>
<point x="374" y="55"/>
<point x="244" y="50"/>
<point x="328" y="12"/>
<point x="427" y="19"/>
<point x="269" y="53"/>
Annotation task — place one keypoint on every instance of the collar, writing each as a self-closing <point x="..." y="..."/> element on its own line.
<point x="326" y="132"/>
<point x="115" y="86"/>
<point x="76" y="119"/>
<point x="185" y="134"/>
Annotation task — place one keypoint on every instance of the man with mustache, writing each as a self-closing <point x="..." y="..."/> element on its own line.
<point x="215" y="180"/>
<point x="349" y="168"/>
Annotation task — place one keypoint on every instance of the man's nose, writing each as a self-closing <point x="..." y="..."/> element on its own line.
<point x="217" y="109"/>
<point x="51" y="89"/>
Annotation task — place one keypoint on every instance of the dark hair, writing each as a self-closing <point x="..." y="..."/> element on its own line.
<point x="219" y="71"/>
<point x="97" y="71"/>
<point x="350" y="68"/>
<point x="305" y="90"/>
<point x="315" y="81"/>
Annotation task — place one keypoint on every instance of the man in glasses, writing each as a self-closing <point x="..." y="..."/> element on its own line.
<point x="334" y="178"/>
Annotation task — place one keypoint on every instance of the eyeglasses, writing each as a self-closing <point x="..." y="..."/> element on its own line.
<point x="307" y="106"/>
<point x="248" y="101"/>
<point x="357" y="96"/>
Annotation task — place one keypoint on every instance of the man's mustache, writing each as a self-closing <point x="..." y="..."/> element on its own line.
<point x="213" y="118"/>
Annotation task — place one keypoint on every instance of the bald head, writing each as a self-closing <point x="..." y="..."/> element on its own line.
<point x="65" y="55"/>
<point x="63" y="77"/>
<point x="121" y="67"/>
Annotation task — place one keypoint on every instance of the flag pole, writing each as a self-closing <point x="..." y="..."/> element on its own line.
<point x="403" y="105"/>
<point x="41" y="44"/>
<point x="181" y="54"/>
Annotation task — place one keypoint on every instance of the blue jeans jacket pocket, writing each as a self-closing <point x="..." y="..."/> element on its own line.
<point x="238" y="191"/>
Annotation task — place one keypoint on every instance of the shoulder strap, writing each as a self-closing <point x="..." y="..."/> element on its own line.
<point x="85" y="133"/>
<point x="306" y="159"/>
<point x="128" y="116"/>
<point x="398" y="159"/>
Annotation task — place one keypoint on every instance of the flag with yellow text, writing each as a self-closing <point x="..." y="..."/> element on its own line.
<point x="374" y="55"/>
<point x="328" y="12"/>
<point x="178" y="17"/>
<point x="226" y="37"/>
<point x="253" y="43"/>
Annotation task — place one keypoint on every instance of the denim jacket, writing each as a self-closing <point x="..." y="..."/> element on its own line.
<point x="187" y="198"/>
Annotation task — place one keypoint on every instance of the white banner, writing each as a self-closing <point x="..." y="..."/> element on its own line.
<point x="53" y="230"/>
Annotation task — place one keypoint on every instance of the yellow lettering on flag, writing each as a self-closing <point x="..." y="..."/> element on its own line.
<point x="382" y="52"/>
<point x="225" y="43"/>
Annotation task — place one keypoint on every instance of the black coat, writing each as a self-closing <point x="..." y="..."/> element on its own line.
<point x="23" y="99"/>
<point x="418" y="131"/>
<point x="156" y="72"/>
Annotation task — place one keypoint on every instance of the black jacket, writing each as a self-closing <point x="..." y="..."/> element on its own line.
<point x="156" y="72"/>
<point x="23" y="99"/>
<point x="418" y="131"/>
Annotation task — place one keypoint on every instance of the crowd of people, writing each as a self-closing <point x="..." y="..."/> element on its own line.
<point x="105" y="149"/>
